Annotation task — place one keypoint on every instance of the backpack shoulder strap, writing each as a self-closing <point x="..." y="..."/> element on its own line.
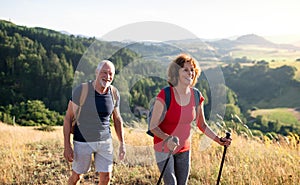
<point x="167" y="101"/>
<point x="197" y="95"/>
<point x="114" y="93"/>
<point x="83" y="95"/>
<point x="167" y="96"/>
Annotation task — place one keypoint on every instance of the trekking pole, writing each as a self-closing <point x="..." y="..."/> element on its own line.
<point x="175" y="139"/>
<point x="223" y="158"/>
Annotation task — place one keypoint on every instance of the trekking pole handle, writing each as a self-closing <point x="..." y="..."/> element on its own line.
<point x="228" y="134"/>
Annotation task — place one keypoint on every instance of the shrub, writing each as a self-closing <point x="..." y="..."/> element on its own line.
<point x="46" y="128"/>
<point x="32" y="113"/>
<point x="230" y="111"/>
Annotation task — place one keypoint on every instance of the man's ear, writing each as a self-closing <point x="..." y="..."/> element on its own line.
<point x="96" y="73"/>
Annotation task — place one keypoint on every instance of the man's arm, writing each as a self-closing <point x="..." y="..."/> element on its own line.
<point x="68" y="151"/>
<point x="118" y="124"/>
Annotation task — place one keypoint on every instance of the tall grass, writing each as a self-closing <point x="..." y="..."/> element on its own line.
<point x="30" y="156"/>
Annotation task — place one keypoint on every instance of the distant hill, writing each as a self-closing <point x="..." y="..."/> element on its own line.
<point x="259" y="41"/>
<point x="255" y="47"/>
<point x="250" y="39"/>
<point x="250" y="45"/>
<point x="255" y="40"/>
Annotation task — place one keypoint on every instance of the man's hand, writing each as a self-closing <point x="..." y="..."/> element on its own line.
<point x="122" y="151"/>
<point x="69" y="154"/>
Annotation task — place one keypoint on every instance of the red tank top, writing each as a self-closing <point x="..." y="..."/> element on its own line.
<point x="177" y="122"/>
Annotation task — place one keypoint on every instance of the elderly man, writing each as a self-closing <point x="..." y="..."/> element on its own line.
<point x="90" y="108"/>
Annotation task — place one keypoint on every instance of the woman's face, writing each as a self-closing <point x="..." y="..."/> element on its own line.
<point x="186" y="74"/>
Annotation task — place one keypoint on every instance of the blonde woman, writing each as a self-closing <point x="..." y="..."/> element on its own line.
<point x="182" y="76"/>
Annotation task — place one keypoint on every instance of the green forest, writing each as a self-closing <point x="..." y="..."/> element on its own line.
<point x="39" y="68"/>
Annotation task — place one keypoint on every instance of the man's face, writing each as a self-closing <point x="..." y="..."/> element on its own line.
<point x="105" y="75"/>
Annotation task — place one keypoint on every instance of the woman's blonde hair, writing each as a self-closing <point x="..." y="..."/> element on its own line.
<point x="175" y="65"/>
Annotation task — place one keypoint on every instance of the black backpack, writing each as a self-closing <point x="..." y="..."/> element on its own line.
<point x="168" y="101"/>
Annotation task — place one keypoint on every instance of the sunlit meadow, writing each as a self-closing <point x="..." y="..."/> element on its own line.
<point x="31" y="156"/>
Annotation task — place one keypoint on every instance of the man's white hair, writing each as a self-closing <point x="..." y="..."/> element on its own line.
<point x="101" y="64"/>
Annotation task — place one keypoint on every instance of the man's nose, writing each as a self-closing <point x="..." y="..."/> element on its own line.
<point x="109" y="76"/>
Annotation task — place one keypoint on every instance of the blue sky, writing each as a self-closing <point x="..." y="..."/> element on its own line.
<point x="207" y="19"/>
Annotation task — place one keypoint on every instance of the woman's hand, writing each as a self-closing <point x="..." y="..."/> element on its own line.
<point x="172" y="143"/>
<point x="225" y="141"/>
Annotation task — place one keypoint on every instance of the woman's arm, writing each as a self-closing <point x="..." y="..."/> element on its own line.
<point x="156" y="118"/>
<point x="202" y="125"/>
<point x="158" y="115"/>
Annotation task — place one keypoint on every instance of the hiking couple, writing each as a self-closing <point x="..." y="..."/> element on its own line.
<point x="92" y="134"/>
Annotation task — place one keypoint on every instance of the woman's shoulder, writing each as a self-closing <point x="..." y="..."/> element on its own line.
<point x="165" y="90"/>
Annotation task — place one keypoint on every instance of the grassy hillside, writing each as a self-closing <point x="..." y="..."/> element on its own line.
<point x="283" y="115"/>
<point x="289" y="97"/>
<point x="288" y="63"/>
<point x="30" y="156"/>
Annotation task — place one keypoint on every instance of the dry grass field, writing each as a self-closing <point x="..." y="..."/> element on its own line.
<point x="30" y="156"/>
<point x="256" y="52"/>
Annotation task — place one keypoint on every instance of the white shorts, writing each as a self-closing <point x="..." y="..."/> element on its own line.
<point x="103" y="156"/>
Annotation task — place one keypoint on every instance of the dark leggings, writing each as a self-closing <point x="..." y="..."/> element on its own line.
<point x="178" y="168"/>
